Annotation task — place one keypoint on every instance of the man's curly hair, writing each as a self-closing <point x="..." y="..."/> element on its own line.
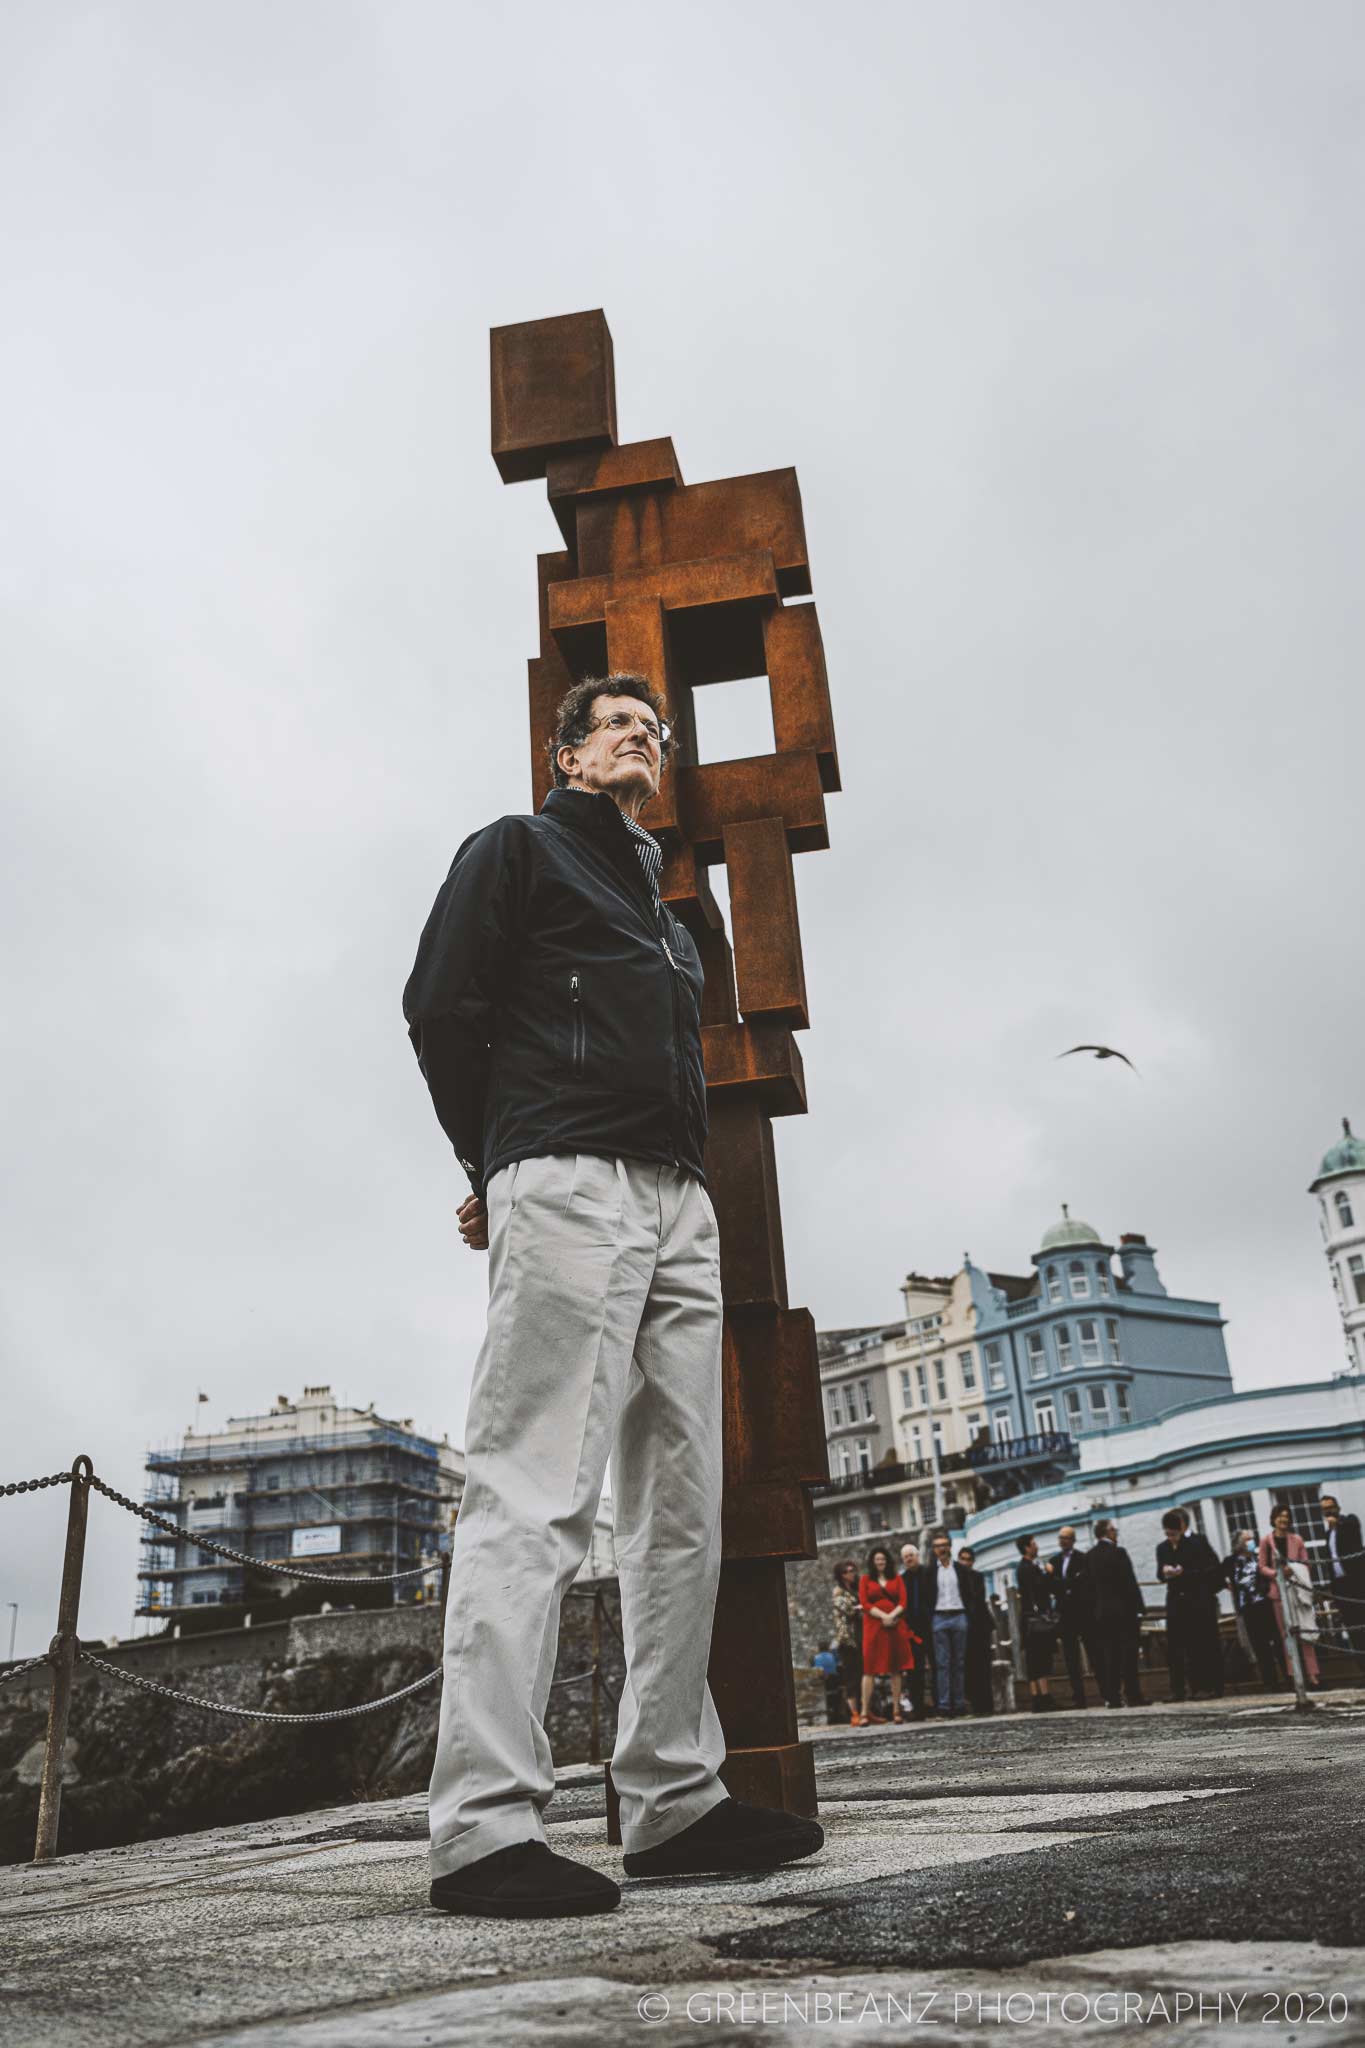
<point x="574" y="715"/>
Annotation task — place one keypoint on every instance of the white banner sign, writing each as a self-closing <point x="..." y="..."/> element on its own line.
<point x="316" y="1542"/>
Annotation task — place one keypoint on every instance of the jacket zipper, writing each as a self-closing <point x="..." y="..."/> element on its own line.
<point x="677" y="1033"/>
<point x="579" y="1028"/>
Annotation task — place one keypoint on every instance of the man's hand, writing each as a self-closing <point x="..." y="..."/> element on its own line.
<point x="473" y="1221"/>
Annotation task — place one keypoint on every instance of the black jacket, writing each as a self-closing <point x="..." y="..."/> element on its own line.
<point x="980" y="1619"/>
<point x="1037" y="1590"/>
<point x="549" y="1008"/>
<point x="970" y="1586"/>
<point x="1069" y="1587"/>
<point x="1201" y="1573"/>
<point x="913" y="1583"/>
<point x="1113" y="1595"/>
<point x="1352" y="1585"/>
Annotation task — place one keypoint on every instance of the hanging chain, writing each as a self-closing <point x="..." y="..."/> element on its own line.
<point x="189" y="1699"/>
<point x="35" y="1485"/>
<point x="17" y="1670"/>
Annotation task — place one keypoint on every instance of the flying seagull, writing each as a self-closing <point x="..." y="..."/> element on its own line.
<point x="1101" y="1052"/>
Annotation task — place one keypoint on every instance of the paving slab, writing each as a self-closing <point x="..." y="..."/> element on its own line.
<point x="1210" y="1850"/>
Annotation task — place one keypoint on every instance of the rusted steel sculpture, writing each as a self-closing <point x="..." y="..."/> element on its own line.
<point x="686" y="584"/>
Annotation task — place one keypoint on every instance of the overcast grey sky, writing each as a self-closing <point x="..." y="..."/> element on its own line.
<point x="1057" y="310"/>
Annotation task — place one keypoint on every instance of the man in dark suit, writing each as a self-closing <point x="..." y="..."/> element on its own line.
<point x="980" y="1639"/>
<point x="1114" y="1605"/>
<point x="947" y="1590"/>
<point x="1193" y="1576"/>
<point x="1068" y="1568"/>
<point x="1346" y="1572"/>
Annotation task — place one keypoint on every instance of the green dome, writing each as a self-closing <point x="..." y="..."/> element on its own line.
<point x="1346" y="1156"/>
<point x="1068" y="1233"/>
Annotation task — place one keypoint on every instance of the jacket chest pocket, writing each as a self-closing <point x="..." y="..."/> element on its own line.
<point x="578" y="1037"/>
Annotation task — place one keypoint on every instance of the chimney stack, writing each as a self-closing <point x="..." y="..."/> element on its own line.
<point x="1138" y="1261"/>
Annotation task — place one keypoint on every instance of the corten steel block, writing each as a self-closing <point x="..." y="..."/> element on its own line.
<point x="554" y="391"/>
<point x="718" y="1005"/>
<point x="549" y="678"/>
<point x="696" y="523"/>
<point x="774" y="1424"/>
<point x="761" y="1060"/>
<point x="551" y="569"/>
<point x="767" y="936"/>
<point x="685" y="886"/>
<point x="638" y="642"/>
<point x="637" y="639"/>
<point x="716" y="612"/>
<point x="742" y="1172"/>
<point x="798" y="687"/>
<point x="545" y="687"/>
<point x="770" y="1518"/>
<point x="784" y="1778"/>
<point x="720" y="793"/>
<point x="574" y="481"/>
<point x="750" y="1641"/>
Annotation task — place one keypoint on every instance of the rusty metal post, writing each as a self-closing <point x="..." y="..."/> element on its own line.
<point x="1302" y="1703"/>
<point x="62" y="1651"/>
<point x="690" y="585"/>
<point x="595" y="1738"/>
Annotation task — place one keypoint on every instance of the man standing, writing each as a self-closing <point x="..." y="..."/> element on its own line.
<point x="917" y="1621"/>
<point x="555" y="1010"/>
<point x="1068" y="1567"/>
<point x="978" y="1678"/>
<point x="1346" y="1572"/>
<point x="947" y="1589"/>
<point x="1115" y="1605"/>
<point x="1254" y="1609"/>
<point x="1192" y="1576"/>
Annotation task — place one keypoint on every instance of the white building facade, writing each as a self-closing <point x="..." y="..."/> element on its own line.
<point x="1225" y="1461"/>
<point x="1340" y="1189"/>
<point x="311" y="1480"/>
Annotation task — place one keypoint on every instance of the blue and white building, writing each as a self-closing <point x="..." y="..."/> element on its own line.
<point x="991" y="1381"/>
<point x="1086" y="1345"/>
<point x="1340" y="1189"/>
<point x="1226" y="1462"/>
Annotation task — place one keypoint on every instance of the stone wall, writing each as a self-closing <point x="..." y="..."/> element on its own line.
<point x="138" y="1766"/>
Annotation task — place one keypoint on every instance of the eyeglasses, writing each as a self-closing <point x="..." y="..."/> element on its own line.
<point x="626" y="721"/>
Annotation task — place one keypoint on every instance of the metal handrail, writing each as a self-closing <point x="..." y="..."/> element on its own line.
<point x="1009" y="1450"/>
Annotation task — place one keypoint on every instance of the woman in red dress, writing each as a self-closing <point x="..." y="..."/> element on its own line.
<point x="888" y="1645"/>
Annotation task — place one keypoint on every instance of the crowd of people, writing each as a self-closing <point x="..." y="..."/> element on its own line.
<point x="903" y="1624"/>
<point x="929" y="1626"/>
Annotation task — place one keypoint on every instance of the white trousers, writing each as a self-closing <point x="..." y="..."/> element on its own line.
<point x="604" y="1338"/>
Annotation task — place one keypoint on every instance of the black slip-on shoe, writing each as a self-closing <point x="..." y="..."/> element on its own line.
<point x="731" y="1836"/>
<point x="525" y="1881"/>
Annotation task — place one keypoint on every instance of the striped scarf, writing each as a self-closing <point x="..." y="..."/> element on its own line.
<point x="646" y="845"/>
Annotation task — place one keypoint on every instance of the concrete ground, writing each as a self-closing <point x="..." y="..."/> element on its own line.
<point x="1078" y="1876"/>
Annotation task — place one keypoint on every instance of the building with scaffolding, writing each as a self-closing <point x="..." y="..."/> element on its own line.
<point x="338" y="1488"/>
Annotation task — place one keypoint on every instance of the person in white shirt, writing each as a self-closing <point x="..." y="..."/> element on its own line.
<point x="946" y="1594"/>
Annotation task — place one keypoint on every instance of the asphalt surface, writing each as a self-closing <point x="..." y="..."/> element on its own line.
<point x="1210" y="1854"/>
<point x="1275" y="1848"/>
